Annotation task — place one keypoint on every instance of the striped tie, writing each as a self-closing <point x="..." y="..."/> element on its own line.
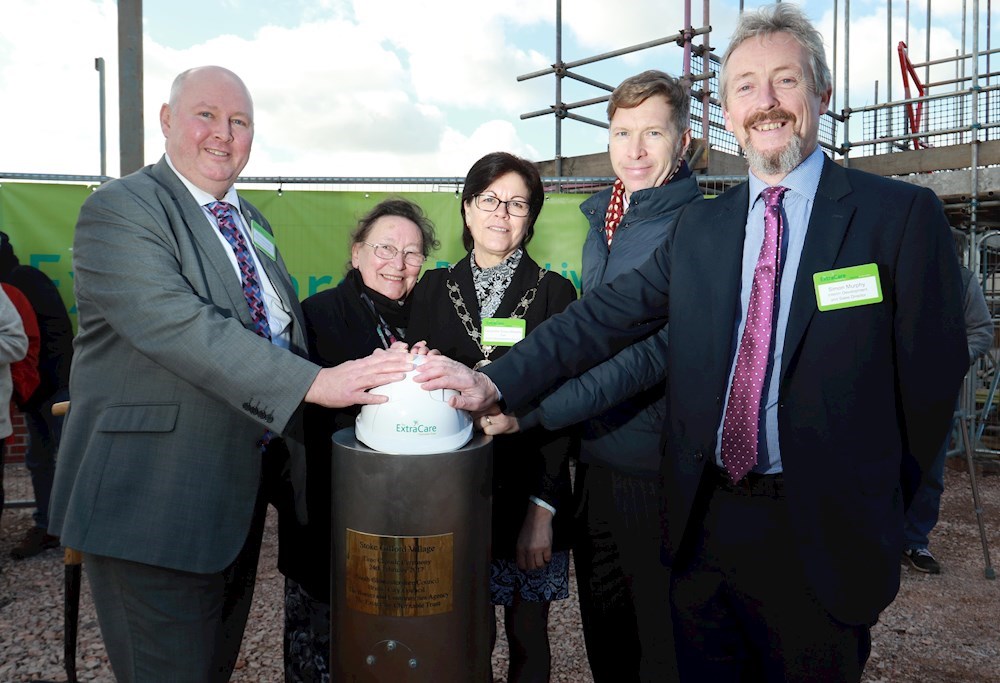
<point x="223" y="213"/>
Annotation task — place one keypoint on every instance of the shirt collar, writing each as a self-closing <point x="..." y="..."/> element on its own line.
<point x="200" y="196"/>
<point x="803" y="180"/>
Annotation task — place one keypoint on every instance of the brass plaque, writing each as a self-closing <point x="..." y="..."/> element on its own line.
<point x="399" y="576"/>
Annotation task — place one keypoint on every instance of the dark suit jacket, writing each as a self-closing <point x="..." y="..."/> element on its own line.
<point x="531" y="463"/>
<point x="858" y="386"/>
<point x="171" y="389"/>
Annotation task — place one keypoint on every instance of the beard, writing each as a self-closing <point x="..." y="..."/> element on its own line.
<point x="782" y="161"/>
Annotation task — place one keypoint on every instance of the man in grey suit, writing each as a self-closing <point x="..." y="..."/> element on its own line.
<point x="189" y="358"/>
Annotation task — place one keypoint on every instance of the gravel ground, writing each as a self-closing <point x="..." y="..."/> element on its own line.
<point x="940" y="628"/>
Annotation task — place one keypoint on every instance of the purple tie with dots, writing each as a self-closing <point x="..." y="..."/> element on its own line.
<point x="742" y="420"/>
<point x="252" y="292"/>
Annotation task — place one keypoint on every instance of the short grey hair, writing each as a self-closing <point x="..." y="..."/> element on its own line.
<point x="780" y="18"/>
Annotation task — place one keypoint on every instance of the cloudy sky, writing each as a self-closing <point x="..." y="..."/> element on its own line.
<point x="382" y="87"/>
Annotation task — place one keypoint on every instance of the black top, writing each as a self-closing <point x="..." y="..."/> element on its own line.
<point x="531" y="463"/>
<point x="54" y="326"/>
<point x="340" y="326"/>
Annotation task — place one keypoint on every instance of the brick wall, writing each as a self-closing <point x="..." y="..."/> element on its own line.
<point x="16" y="444"/>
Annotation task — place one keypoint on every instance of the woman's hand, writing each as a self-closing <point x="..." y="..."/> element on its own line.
<point x="494" y="423"/>
<point x="534" y="543"/>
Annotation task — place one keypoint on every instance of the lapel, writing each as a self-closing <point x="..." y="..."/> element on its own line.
<point x="201" y="233"/>
<point x="722" y="251"/>
<point x="281" y="282"/>
<point x="828" y="225"/>
<point x="276" y="272"/>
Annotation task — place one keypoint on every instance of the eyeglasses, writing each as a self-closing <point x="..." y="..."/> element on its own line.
<point x="387" y="252"/>
<point x="515" y="207"/>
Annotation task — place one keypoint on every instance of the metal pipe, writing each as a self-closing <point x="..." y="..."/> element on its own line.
<point x="99" y="65"/>
<point x="706" y="60"/>
<point x="948" y="60"/>
<point x="925" y="98"/>
<point x="559" y="158"/>
<point x="686" y="59"/>
<point x="847" y="81"/>
<point x="615" y="53"/>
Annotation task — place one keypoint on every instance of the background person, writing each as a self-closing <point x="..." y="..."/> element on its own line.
<point x="784" y="543"/>
<point x="368" y="310"/>
<point x="188" y="360"/>
<point x="452" y="308"/>
<point x="13" y="348"/>
<point x="922" y="515"/>
<point x="624" y="602"/>
<point x="55" y="358"/>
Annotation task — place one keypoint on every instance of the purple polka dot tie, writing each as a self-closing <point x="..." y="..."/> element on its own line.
<point x="741" y="423"/>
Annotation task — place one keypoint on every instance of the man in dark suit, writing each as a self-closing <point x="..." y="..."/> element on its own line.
<point x="783" y="530"/>
<point x="189" y="358"/>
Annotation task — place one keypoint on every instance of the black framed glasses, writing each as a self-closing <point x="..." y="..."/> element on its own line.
<point x="515" y="207"/>
<point x="387" y="252"/>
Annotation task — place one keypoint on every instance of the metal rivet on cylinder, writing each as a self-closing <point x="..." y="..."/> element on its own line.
<point x="370" y="660"/>
<point x="413" y="663"/>
<point x="390" y="645"/>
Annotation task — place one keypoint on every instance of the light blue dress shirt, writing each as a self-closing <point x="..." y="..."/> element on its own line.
<point x="796" y="208"/>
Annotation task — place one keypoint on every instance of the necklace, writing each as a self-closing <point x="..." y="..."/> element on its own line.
<point x="455" y="294"/>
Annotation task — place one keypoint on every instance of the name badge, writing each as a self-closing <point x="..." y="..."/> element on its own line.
<point x="262" y="240"/>
<point x="846" y="287"/>
<point x="503" y="331"/>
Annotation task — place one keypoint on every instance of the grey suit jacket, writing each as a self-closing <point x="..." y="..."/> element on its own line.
<point x="171" y="389"/>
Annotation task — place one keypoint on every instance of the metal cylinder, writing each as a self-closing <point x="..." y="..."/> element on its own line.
<point x="410" y="566"/>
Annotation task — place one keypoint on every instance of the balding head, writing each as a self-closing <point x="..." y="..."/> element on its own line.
<point x="208" y="126"/>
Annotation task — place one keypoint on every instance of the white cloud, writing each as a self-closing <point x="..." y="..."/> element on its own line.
<point x="355" y="87"/>
<point x="49" y="121"/>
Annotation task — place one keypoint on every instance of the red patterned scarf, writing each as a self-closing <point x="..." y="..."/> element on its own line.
<point x="616" y="209"/>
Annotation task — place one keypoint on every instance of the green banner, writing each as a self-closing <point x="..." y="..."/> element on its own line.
<point x="312" y="229"/>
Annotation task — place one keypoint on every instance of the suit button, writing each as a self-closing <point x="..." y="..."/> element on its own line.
<point x="699" y="456"/>
<point x="270" y="418"/>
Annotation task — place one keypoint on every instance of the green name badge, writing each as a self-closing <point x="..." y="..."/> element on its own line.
<point x="846" y="287"/>
<point x="503" y="331"/>
<point x="262" y="240"/>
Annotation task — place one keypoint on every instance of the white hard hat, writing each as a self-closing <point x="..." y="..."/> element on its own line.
<point x="413" y="421"/>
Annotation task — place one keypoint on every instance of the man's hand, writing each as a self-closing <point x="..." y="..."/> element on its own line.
<point x="347" y="384"/>
<point x="534" y="543"/>
<point x="478" y="392"/>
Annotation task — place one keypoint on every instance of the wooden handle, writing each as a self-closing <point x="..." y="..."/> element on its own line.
<point x="71" y="556"/>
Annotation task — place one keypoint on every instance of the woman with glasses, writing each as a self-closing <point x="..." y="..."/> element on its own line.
<point x="473" y="311"/>
<point x="367" y="310"/>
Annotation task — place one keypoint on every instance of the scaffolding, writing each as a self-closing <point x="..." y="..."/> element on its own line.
<point x="943" y="134"/>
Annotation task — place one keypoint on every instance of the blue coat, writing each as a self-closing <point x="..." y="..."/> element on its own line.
<point x="624" y="396"/>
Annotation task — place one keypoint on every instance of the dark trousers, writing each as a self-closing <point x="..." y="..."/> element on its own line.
<point x="163" y="625"/>
<point x="624" y="588"/>
<point x="742" y="608"/>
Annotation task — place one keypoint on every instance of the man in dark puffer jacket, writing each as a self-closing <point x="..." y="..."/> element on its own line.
<point x="623" y="585"/>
